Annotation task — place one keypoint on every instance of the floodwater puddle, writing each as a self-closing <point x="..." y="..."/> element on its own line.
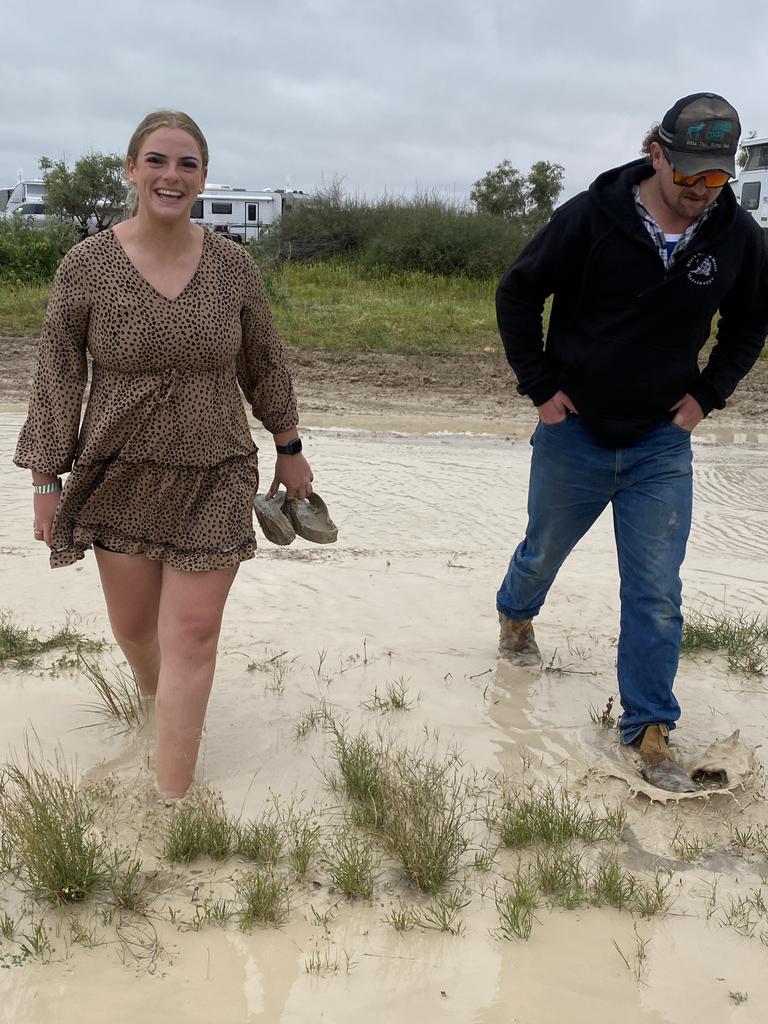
<point x="405" y="598"/>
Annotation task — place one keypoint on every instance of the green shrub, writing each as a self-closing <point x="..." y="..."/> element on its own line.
<point x="331" y="225"/>
<point x="30" y="254"/>
<point x="432" y="236"/>
<point x="424" y="233"/>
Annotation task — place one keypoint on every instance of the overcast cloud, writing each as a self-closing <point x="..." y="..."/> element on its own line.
<point x="394" y="96"/>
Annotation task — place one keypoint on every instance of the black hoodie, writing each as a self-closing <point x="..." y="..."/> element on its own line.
<point x="624" y="333"/>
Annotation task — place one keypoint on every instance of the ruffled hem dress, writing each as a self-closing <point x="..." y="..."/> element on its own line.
<point x="163" y="464"/>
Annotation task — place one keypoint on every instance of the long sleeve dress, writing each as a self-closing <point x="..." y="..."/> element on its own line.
<point x="163" y="464"/>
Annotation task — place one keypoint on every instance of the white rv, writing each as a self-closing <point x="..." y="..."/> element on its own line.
<point x="25" y="197"/>
<point x="751" y="190"/>
<point x="237" y="212"/>
<point x="241" y="213"/>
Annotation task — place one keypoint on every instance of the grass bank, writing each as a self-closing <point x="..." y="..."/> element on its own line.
<point x="21" y="309"/>
<point x="342" y="306"/>
<point x="339" y="306"/>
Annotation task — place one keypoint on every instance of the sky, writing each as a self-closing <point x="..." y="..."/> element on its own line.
<point x="390" y="97"/>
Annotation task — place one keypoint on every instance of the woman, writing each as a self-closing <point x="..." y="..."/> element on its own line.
<point x="163" y="471"/>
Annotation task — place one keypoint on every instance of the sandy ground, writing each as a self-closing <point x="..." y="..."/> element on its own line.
<point x="427" y="522"/>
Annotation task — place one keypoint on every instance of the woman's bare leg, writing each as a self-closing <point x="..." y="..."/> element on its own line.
<point x="189" y="621"/>
<point x="132" y="585"/>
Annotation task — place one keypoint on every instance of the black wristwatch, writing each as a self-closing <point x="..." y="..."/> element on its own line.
<point x="292" y="448"/>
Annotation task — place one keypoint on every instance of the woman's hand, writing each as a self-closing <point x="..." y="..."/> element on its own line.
<point x="45" y="506"/>
<point x="295" y="473"/>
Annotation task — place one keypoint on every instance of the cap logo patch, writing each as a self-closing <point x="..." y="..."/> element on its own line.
<point x="717" y="130"/>
<point x="701" y="269"/>
<point x="694" y="131"/>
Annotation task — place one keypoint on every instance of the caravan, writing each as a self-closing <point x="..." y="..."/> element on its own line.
<point x="26" y="197"/>
<point x="241" y="213"/>
<point x="751" y="189"/>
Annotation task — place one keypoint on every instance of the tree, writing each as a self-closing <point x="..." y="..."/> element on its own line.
<point x="505" y="192"/>
<point x="545" y="183"/>
<point x="93" y="192"/>
<point x="743" y="154"/>
<point x="500" y="192"/>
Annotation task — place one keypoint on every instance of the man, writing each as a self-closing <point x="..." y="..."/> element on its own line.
<point x="638" y="265"/>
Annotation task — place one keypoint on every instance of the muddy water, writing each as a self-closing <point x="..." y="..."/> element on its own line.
<point x="426" y="524"/>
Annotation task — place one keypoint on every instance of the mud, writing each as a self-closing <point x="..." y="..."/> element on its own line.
<point x="426" y="524"/>
<point x="411" y="392"/>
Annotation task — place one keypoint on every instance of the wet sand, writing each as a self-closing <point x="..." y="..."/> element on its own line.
<point x="426" y="524"/>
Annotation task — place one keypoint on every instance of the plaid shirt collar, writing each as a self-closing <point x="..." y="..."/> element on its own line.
<point x="657" y="235"/>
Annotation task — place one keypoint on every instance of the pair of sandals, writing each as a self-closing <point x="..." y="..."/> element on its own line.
<point x="282" y="519"/>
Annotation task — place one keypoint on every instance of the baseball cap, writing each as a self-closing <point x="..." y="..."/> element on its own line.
<point x="701" y="133"/>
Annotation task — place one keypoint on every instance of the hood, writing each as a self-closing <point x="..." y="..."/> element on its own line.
<point x="611" y="192"/>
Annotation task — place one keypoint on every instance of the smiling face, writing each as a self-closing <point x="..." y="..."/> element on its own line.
<point x="686" y="201"/>
<point x="168" y="173"/>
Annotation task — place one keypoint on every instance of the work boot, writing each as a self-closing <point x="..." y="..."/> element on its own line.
<point x="517" y="642"/>
<point x="658" y="767"/>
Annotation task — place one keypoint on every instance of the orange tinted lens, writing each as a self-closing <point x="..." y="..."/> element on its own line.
<point x="712" y="179"/>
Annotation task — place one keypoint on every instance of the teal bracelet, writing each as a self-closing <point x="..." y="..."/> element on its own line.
<point x="54" y="485"/>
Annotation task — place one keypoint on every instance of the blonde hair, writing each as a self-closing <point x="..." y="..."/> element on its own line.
<point x="161" y="119"/>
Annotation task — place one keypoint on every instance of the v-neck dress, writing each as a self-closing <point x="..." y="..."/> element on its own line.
<point x="163" y="464"/>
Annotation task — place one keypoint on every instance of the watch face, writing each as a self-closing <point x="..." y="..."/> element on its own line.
<point x="292" y="448"/>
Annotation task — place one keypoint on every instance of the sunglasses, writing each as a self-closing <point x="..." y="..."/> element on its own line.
<point x="712" y="179"/>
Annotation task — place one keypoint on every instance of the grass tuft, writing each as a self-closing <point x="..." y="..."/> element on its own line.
<point x="118" y="695"/>
<point x="561" y="877"/>
<point x="304" y="841"/>
<point x="21" y="647"/>
<point x="741" y="635"/>
<point x="49" y="825"/>
<point x="351" y="864"/>
<point x="262" y="841"/>
<point x="443" y="912"/>
<point x="417" y="806"/>
<point x="611" y="885"/>
<point x="128" y="884"/>
<point x="394" y="698"/>
<point x="551" y="817"/>
<point x="201" y="829"/>
<point x="402" y="918"/>
<point x="319" y="716"/>
<point x="262" y="897"/>
<point x="515" y="908"/>
<point x="689" y="847"/>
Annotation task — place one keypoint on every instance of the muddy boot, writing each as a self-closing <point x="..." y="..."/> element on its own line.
<point x="658" y="767"/>
<point x="517" y="642"/>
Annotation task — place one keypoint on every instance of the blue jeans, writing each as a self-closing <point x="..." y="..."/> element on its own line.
<point x="649" y="485"/>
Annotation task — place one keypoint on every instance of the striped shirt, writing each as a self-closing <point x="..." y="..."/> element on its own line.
<point x="657" y="235"/>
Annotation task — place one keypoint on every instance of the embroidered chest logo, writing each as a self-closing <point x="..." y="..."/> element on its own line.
<point x="701" y="269"/>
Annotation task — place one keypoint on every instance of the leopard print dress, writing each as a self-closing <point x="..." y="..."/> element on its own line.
<point x="164" y="464"/>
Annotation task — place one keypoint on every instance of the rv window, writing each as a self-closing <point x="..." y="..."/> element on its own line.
<point x="253" y="211"/>
<point x="750" y="195"/>
<point x="197" y="210"/>
<point x="758" y="158"/>
<point x="28" y="209"/>
<point x="221" y="207"/>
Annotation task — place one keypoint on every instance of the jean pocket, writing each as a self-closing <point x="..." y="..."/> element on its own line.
<point x="682" y="429"/>
<point x="557" y="423"/>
